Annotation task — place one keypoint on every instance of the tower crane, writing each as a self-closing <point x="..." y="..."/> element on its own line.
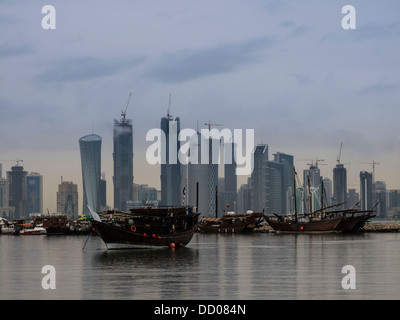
<point x="17" y="161"/>
<point x="373" y="168"/>
<point x="123" y="112"/>
<point x="209" y="124"/>
<point x="316" y="162"/>
<point x="340" y="153"/>
<point x="169" y="116"/>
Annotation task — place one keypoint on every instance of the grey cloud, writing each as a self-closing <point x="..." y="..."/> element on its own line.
<point x="9" y="51"/>
<point x="383" y="30"/>
<point x="287" y="24"/>
<point x="194" y="64"/>
<point x="84" y="68"/>
<point x="302" y="78"/>
<point x="377" y="88"/>
<point x="299" y="31"/>
<point x="365" y="32"/>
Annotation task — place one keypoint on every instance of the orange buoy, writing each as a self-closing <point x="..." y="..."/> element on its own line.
<point x="172" y="245"/>
<point x="301" y="228"/>
<point x="158" y="237"/>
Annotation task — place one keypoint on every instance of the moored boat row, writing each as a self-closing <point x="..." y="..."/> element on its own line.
<point x="231" y="223"/>
<point x="350" y="220"/>
<point x="44" y="225"/>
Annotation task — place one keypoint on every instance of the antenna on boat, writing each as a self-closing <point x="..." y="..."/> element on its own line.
<point x="197" y="196"/>
<point x="216" y="201"/>
<point x="294" y="192"/>
<point x="309" y="195"/>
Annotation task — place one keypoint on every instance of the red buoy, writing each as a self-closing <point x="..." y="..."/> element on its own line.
<point x="144" y="235"/>
<point x="172" y="245"/>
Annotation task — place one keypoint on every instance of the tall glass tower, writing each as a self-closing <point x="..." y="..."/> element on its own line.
<point x="259" y="179"/>
<point x="340" y="185"/>
<point x="366" y="195"/>
<point x="17" y="190"/>
<point x="90" y="147"/>
<point x="123" y="162"/>
<point x="171" y="169"/>
<point x="288" y="185"/>
<point x="198" y="177"/>
<point x="34" y="193"/>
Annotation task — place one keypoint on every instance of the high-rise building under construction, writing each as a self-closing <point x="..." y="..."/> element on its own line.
<point x="123" y="161"/>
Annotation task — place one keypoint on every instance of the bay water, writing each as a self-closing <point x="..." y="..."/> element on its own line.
<point x="256" y="266"/>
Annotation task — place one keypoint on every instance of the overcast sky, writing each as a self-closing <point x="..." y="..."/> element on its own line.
<point x="286" y="69"/>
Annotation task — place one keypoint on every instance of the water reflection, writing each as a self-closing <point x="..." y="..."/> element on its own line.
<point x="212" y="266"/>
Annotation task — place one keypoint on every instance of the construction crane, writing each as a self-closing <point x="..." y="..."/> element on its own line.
<point x="316" y="162"/>
<point x="169" y="116"/>
<point x="209" y="124"/>
<point x="123" y="112"/>
<point x="17" y="161"/>
<point x="373" y="168"/>
<point x="340" y="153"/>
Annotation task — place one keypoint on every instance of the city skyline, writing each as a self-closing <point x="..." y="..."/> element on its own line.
<point x="288" y="70"/>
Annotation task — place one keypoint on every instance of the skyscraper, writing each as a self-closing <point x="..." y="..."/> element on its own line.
<point x="366" y="195"/>
<point x="380" y="198"/>
<point x="327" y="192"/>
<point x="67" y="199"/>
<point x="5" y="210"/>
<point x="340" y="185"/>
<point x="123" y="162"/>
<point x="34" y="193"/>
<point x="275" y="194"/>
<point x="288" y="184"/>
<point x="230" y="179"/>
<point x="90" y="147"/>
<point x="198" y="176"/>
<point x="314" y="174"/>
<point x="244" y="197"/>
<point x="259" y="179"/>
<point x="3" y="192"/>
<point x="171" y="193"/>
<point x="17" y="190"/>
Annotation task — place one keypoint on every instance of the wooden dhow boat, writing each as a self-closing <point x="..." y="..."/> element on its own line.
<point x="231" y="223"/>
<point x="146" y="227"/>
<point x="303" y="225"/>
<point x="322" y="220"/>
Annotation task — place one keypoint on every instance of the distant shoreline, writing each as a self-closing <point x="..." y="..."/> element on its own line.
<point x="381" y="226"/>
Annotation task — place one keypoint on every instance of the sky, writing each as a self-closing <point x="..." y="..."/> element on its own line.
<point x="287" y="69"/>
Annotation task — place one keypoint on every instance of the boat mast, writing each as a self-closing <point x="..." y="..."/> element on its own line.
<point x="322" y="194"/>
<point x="216" y="201"/>
<point x="309" y="195"/>
<point x="294" y="193"/>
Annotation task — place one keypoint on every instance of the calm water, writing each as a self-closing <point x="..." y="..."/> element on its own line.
<point x="256" y="266"/>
